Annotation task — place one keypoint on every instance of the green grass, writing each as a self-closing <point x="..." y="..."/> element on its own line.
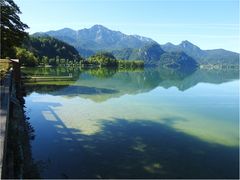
<point x="4" y="67"/>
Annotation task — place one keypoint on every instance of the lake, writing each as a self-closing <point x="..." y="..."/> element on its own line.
<point x="151" y="123"/>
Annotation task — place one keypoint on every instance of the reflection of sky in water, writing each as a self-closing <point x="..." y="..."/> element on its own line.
<point x="209" y="112"/>
<point x="153" y="133"/>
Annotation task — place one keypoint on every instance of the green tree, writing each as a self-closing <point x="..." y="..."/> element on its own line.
<point x="26" y="57"/>
<point x="45" y="60"/>
<point x="12" y="28"/>
<point x="103" y="59"/>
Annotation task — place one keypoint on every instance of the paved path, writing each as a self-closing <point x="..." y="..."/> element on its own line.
<point x="4" y="108"/>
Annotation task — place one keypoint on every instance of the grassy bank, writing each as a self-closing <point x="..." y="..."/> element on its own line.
<point x="4" y="67"/>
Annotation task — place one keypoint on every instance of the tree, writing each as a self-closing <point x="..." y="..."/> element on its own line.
<point x="45" y="60"/>
<point x="103" y="59"/>
<point x="12" y="29"/>
<point x="26" y="57"/>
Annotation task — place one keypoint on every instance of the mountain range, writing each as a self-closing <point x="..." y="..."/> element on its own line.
<point x="97" y="38"/>
<point x="215" y="56"/>
<point x="133" y="47"/>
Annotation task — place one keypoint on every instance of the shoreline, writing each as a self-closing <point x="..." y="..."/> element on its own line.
<point x="19" y="163"/>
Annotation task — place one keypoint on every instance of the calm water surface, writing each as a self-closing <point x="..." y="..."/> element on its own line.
<point x="134" y="124"/>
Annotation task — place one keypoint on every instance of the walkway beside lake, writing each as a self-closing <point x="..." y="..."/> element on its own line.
<point x="5" y="89"/>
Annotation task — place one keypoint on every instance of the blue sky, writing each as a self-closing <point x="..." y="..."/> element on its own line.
<point x="210" y="24"/>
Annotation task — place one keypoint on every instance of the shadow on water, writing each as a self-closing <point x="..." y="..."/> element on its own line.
<point x="127" y="149"/>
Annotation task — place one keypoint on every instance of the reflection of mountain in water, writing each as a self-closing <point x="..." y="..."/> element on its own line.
<point x="102" y="84"/>
<point x="201" y="76"/>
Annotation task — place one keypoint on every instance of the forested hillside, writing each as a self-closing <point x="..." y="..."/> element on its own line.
<point x="46" y="50"/>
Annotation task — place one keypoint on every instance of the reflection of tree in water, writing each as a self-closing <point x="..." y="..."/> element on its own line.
<point x="125" y="82"/>
<point x="129" y="149"/>
<point x="53" y="71"/>
<point x="102" y="72"/>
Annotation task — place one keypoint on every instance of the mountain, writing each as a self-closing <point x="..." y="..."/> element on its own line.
<point x="177" y="60"/>
<point x="185" y="46"/>
<point x="221" y="56"/>
<point x="216" y="56"/>
<point x="153" y="55"/>
<point x="150" y="54"/>
<point x="97" y="38"/>
<point x="134" y="47"/>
